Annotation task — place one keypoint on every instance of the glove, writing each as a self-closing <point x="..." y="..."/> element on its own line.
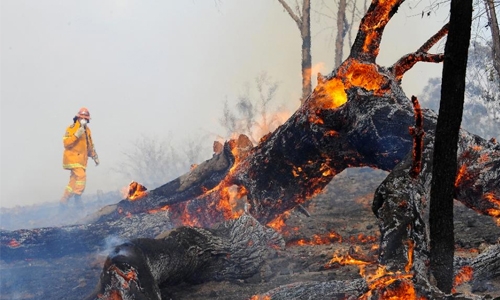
<point x="96" y="160"/>
<point x="79" y="132"/>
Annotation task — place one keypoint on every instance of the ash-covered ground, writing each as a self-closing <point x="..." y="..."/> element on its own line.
<point x="341" y="221"/>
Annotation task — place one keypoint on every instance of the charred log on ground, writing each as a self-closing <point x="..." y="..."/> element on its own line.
<point x="235" y="250"/>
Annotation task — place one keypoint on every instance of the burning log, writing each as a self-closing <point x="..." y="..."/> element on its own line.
<point x="235" y="250"/>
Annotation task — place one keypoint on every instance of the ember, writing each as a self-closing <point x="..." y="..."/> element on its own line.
<point x="463" y="275"/>
<point x="14" y="244"/>
<point x="317" y="239"/>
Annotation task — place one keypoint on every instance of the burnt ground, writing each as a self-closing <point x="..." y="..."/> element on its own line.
<point x="341" y="221"/>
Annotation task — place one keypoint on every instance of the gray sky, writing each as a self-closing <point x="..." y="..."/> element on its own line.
<point x="149" y="67"/>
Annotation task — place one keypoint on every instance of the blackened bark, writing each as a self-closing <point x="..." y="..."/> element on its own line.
<point x="446" y="143"/>
<point x="236" y="249"/>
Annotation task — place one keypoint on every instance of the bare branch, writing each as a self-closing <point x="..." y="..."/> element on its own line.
<point x="296" y="18"/>
<point x="406" y="62"/>
<point x="434" y="39"/>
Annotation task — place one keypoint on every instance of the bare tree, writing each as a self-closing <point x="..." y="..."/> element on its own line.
<point x="302" y="17"/>
<point x="343" y="27"/>
<point x="152" y="160"/>
<point x="444" y="168"/>
<point x="253" y="115"/>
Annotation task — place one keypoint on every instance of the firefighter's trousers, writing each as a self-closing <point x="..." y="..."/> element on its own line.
<point x="76" y="184"/>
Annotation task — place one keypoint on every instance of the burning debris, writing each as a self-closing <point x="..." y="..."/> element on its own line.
<point x="136" y="191"/>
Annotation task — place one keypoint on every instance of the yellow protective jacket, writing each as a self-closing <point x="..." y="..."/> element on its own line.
<point x="77" y="150"/>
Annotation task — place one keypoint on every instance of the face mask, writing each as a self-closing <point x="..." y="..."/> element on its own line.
<point x="83" y="122"/>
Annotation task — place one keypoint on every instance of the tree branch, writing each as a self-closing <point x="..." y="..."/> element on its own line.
<point x="406" y="62"/>
<point x="367" y="43"/>
<point x="296" y="18"/>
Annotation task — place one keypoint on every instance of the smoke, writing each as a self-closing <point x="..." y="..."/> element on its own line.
<point x="111" y="248"/>
<point x="52" y="215"/>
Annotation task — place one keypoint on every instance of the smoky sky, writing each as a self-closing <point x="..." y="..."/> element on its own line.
<point x="151" y="68"/>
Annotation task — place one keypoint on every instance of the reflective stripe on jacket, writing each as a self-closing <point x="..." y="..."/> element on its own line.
<point x="77" y="150"/>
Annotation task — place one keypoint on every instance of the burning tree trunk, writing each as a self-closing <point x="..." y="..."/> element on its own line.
<point x="356" y="116"/>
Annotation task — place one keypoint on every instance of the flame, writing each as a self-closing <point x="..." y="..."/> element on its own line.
<point x="230" y="198"/>
<point x="373" y="23"/>
<point x="347" y="259"/>
<point x="462" y="174"/>
<point x="278" y="224"/>
<point x="363" y="75"/>
<point x="127" y="277"/>
<point x="335" y="94"/>
<point x="317" y="239"/>
<point x="154" y="211"/>
<point x="260" y="297"/>
<point x="331" y="93"/>
<point x="392" y="285"/>
<point x="363" y="239"/>
<point x="463" y="275"/>
<point x="490" y="197"/>
<point x="411" y="247"/>
<point x="136" y="191"/>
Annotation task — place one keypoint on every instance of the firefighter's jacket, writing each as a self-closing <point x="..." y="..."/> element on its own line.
<point x="77" y="150"/>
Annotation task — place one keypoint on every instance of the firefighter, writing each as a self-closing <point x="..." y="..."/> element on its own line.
<point x="78" y="147"/>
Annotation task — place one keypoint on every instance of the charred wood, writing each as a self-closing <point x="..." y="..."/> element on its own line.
<point x="486" y="267"/>
<point x="318" y="290"/>
<point x="236" y="249"/>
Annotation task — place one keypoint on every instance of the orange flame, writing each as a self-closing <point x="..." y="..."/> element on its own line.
<point x="154" y="211"/>
<point x="462" y="174"/>
<point x="363" y="75"/>
<point x="463" y="275"/>
<point x="136" y="191"/>
<point x="363" y="239"/>
<point x="334" y="94"/>
<point x="317" y="239"/>
<point x="278" y="224"/>
<point x="130" y="275"/>
<point x="260" y="297"/>
<point x="490" y="197"/>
